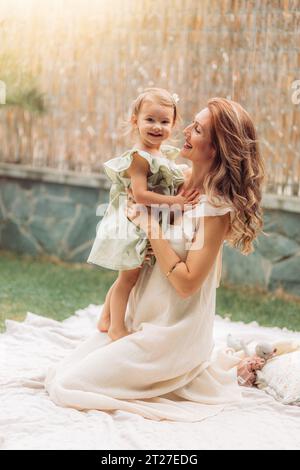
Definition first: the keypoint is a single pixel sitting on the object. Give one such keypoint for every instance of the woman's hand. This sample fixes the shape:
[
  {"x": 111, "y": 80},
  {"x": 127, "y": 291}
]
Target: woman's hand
[
  {"x": 186, "y": 198},
  {"x": 140, "y": 217},
  {"x": 130, "y": 196},
  {"x": 131, "y": 216},
  {"x": 139, "y": 214},
  {"x": 149, "y": 253}
]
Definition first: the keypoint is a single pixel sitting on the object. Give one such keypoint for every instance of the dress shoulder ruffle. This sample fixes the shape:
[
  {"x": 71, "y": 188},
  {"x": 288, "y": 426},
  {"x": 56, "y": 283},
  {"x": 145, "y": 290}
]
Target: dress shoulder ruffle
[
  {"x": 115, "y": 167},
  {"x": 206, "y": 208}
]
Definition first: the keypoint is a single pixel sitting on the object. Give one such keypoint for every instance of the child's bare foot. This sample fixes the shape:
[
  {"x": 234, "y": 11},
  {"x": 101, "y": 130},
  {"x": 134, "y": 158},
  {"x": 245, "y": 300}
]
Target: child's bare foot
[
  {"x": 117, "y": 333},
  {"x": 103, "y": 323}
]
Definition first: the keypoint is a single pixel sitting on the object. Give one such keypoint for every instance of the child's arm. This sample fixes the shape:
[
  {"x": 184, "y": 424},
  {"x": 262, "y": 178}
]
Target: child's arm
[{"x": 138, "y": 173}]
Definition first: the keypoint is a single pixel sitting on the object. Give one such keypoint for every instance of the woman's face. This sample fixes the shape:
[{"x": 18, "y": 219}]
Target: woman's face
[{"x": 198, "y": 146}]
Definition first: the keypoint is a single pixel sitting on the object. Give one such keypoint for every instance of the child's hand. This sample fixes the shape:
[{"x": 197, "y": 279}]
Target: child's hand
[{"x": 189, "y": 198}]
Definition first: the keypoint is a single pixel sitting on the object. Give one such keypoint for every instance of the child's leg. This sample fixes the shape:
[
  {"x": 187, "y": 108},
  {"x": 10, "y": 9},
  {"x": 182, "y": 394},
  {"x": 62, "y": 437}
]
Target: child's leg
[
  {"x": 118, "y": 301},
  {"x": 104, "y": 320}
]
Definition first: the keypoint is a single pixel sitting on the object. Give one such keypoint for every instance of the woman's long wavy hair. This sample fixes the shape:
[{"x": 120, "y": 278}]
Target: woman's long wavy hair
[{"x": 238, "y": 171}]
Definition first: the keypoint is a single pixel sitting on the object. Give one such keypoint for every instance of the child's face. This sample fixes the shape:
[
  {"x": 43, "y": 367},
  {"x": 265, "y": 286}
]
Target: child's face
[{"x": 154, "y": 122}]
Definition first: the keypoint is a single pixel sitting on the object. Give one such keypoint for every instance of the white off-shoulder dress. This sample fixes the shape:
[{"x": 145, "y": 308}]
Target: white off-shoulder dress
[{"x": 167, "y": 368}]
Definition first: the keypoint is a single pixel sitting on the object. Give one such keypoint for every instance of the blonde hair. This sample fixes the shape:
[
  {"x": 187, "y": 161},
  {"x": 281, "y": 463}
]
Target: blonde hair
[
  {"x": 238, "y": 171},
  {"x": 157, "y": 95}
]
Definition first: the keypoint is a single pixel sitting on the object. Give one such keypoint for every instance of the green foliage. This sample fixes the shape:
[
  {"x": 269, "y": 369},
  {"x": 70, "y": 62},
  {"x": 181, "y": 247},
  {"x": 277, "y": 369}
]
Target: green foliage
[
  {"x": 31, "y": 100},
  {"x": 21, "y": 87}
]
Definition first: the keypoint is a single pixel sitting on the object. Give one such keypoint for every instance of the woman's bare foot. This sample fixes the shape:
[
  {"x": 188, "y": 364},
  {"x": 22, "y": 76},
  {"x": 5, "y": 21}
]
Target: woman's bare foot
[
  {"x": 103, "y": 323},
  {"x": 117, "y": 333}
]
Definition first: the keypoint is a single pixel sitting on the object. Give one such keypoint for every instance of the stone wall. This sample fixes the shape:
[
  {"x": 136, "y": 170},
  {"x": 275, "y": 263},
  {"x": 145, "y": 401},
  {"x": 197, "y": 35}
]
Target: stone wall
[
  {"x": 276, "y": 260},
  {"x": 54, "y": 212},
  {"x": 49, "y": 211}
]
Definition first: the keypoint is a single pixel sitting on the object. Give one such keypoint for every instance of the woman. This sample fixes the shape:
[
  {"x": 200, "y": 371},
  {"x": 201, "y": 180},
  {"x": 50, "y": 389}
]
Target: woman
[{"x": 166, "y": 368}]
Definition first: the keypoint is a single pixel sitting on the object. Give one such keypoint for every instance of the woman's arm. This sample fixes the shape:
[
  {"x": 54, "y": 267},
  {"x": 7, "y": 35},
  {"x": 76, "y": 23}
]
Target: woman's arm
[{"x": 189, "y": 275}]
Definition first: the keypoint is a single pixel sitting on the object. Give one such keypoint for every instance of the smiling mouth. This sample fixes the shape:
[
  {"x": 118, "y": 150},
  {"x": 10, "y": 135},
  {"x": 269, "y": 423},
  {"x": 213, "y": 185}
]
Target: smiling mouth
[
  {"x": 187, "y": 145},
  {"x": 155, "y": 135}
]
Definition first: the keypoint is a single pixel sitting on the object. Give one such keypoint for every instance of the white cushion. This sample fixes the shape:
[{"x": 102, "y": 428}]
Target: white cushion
[{"x": 280, "y": 377}]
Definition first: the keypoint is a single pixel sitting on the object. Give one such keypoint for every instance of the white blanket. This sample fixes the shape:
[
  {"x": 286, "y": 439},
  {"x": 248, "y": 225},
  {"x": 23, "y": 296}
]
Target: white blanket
[{"x": 30, "y": 420}]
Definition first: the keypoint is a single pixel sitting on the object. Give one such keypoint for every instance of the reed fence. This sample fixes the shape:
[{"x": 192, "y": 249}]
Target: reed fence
[{"x": 85, "y": 61}]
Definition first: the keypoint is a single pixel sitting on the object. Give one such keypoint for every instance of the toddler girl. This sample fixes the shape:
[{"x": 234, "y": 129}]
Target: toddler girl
[{"x": 149, "y": 171}]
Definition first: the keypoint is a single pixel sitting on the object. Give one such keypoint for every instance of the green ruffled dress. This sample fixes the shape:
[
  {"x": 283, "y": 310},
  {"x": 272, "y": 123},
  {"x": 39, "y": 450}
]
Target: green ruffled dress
[{"x": 119, "y": 243}]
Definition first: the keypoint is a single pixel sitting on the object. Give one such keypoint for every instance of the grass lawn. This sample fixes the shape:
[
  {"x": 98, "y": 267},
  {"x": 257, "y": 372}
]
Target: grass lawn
[
  {"x": 56, "y": 289},
  {"x": 51, "y": 289}
]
